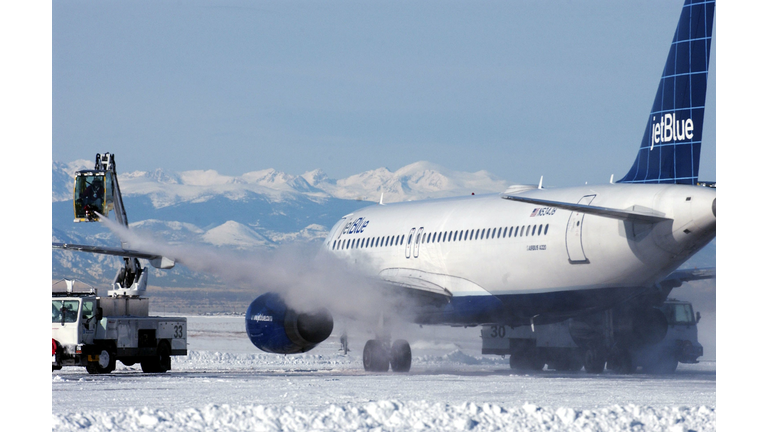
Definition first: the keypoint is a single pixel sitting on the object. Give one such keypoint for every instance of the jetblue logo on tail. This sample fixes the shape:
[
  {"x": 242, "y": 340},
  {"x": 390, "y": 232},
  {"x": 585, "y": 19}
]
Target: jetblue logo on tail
[
  {"x": 671, "y": 145},
  {"x": 669, "y": 129}
]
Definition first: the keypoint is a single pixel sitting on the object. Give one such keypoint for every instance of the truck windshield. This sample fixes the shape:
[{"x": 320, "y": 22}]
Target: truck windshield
[
  {"x": 679, "y": 313},
  {"x": 64, "y": 310}
]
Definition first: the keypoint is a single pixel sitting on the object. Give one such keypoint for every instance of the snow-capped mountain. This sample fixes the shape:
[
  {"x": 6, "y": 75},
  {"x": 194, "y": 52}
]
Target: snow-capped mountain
[
  {"x": 254, "y": 210},
  {"x": 419, "y": 180}
]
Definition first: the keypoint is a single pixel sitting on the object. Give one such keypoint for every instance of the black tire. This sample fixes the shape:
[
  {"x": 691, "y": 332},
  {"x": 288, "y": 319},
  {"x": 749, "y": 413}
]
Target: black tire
[
  {"x": 105, "y": 364},
  {"x": 526, "y": 360},
  {"x": 400, "y": 356},
  {"x": 160, "y": 362},
  {"x": 621, "y": 362},
  {"x": 594, "y": 361},
  {"x": 575, "y": 362},
  {"x": 375, "y": 356}
]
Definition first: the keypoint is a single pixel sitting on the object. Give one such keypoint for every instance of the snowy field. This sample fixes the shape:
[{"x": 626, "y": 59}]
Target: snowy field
[{"x": 227, "y": 384}]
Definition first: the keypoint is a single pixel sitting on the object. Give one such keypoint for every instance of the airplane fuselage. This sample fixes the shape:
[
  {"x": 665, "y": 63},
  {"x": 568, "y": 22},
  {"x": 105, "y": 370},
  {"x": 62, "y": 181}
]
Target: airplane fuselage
[{"x": 499, "y": 260}]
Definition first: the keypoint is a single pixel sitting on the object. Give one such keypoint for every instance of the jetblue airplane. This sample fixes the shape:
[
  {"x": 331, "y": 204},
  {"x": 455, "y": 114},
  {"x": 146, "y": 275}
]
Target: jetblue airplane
[{"x": 531, "y": 255}]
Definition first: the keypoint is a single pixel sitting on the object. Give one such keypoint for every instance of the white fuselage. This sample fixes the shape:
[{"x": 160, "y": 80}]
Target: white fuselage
[{"x": 486, "y": 245}]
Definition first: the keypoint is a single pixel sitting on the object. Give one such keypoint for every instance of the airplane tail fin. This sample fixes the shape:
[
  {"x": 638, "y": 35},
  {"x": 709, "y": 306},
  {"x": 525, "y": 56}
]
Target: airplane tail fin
[{"x": 671, "y": 146}]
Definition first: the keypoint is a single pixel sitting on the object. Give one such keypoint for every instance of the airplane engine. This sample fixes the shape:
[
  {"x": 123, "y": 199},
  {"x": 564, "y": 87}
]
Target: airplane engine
[{"x": 275, "y": 328}]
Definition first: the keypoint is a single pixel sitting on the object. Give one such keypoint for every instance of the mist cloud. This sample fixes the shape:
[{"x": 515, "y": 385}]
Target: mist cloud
[{"x": 306, "y": 276}]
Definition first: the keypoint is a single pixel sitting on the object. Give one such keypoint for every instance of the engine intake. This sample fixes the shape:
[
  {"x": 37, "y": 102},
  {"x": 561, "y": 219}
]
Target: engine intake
[{"x": 274, "y": 327}]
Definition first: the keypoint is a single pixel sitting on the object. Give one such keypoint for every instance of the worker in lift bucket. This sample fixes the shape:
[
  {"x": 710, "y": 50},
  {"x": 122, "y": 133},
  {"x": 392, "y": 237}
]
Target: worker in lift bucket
[{"x": 92, "y": 198}]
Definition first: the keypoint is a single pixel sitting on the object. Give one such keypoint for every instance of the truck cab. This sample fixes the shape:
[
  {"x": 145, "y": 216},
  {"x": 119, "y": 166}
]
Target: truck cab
[
  {"x": 73, "y": 324},
  {"x": 682, "y": 339}
]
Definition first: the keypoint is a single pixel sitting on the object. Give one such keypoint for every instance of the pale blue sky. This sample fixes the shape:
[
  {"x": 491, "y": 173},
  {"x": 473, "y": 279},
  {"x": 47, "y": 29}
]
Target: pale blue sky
[{"x": 521, "y": 89}]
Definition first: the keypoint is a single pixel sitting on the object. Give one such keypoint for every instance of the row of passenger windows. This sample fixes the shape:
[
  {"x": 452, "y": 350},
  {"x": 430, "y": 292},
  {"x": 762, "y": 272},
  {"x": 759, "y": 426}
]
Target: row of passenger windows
[
  {"x": 444, "y": 236},
  {"x": 368, "y": 242}
]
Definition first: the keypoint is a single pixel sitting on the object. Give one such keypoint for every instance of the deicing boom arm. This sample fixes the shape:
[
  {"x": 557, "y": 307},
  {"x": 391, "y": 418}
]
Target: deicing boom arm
[{"x": 157, "y": 261}]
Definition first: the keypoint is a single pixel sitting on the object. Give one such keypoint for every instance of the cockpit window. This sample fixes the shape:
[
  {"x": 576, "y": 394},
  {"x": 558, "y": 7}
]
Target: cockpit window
[{"x": 65, "y": 311}]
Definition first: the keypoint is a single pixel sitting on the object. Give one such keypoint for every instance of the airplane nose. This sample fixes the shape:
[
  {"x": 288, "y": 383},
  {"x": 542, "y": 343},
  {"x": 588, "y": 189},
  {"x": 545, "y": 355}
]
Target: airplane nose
[{"x": 714, "y": 207}]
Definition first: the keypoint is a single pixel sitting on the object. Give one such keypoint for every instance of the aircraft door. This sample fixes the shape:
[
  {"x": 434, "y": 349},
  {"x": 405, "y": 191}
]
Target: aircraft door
[
  {"x": 408, "y": 242},
  {"x": 573, "y": 241},
  {"x": 416, "y": 242}
]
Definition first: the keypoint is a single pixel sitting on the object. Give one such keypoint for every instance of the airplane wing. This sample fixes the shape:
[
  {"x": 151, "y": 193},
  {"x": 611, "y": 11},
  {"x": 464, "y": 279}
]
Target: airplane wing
[
  {"x": 677, "y": 277},
  {"x": 157, "y": 261},
  {"x": 627, "y": 215}
]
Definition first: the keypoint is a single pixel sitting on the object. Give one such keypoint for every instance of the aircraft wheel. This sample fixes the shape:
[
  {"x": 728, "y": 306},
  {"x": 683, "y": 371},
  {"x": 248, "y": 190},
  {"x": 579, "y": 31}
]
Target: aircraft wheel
[
  {"x": 375, "y": 356},
  {"x": 400, "y": 356}
]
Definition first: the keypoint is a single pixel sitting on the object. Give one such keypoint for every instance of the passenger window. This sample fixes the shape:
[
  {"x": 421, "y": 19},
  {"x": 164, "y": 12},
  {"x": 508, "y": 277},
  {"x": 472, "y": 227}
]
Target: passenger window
[
  {"x": 540, "y": 227},
  {"x": 546, "y": 228},
  {"x": 505, "y": 233}
]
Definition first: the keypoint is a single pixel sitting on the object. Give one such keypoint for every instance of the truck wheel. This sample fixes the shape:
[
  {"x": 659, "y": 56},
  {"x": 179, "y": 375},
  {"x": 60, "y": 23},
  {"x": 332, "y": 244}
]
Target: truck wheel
[
  {"x": 160, "y": 362},
  {"x": 105, "y": 365},
  {"x": 594, "y": 361},
  {"x": 526, "y": 360},
  {"x": 164, "y": 355},
  {"x": 621, "y": 362}
]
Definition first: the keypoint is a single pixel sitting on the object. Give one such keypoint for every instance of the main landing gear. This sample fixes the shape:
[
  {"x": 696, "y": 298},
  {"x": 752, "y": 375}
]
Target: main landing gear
[{"x": 378, "y": 355}]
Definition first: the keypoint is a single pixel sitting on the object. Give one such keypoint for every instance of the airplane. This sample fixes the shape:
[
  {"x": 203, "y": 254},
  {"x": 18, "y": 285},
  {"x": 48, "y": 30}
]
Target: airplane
[{"x": 531, "y": 255}]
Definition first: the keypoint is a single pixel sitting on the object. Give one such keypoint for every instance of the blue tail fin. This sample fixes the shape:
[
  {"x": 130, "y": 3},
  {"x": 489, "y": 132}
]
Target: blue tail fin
[{"x": 671, "y": 146}]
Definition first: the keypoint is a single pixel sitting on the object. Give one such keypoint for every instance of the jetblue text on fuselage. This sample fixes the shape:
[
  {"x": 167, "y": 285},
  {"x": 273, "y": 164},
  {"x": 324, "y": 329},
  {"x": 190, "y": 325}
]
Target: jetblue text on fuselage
[
  {"x": 670, "y": 129},
  {"x": 356, "y": 226}
]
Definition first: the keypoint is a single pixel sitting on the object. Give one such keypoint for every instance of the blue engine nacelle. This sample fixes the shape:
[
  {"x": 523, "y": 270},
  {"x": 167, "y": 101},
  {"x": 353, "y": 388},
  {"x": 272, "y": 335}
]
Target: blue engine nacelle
[{"x": 274, "y": 327}]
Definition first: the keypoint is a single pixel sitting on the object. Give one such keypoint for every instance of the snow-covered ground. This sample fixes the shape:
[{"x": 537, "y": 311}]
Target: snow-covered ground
[{"x": 225, "y": 383}]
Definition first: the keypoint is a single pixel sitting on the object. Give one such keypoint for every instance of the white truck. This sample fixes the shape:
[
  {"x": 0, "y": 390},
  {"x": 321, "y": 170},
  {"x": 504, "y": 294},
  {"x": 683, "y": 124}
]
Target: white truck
[
  {"x": 95, "y": 332},
  {"x": 611, "y": 338}
]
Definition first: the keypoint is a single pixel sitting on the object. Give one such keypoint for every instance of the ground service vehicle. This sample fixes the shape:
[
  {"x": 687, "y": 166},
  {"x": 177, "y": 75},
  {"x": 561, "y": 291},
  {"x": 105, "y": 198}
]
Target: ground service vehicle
[
  {"x": 611, "y": 335},
  {"x": 93, "y": 331}
]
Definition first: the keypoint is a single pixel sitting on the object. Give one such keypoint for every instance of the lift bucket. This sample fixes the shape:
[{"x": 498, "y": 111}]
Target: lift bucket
[{"x": 93, "y": 195}]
